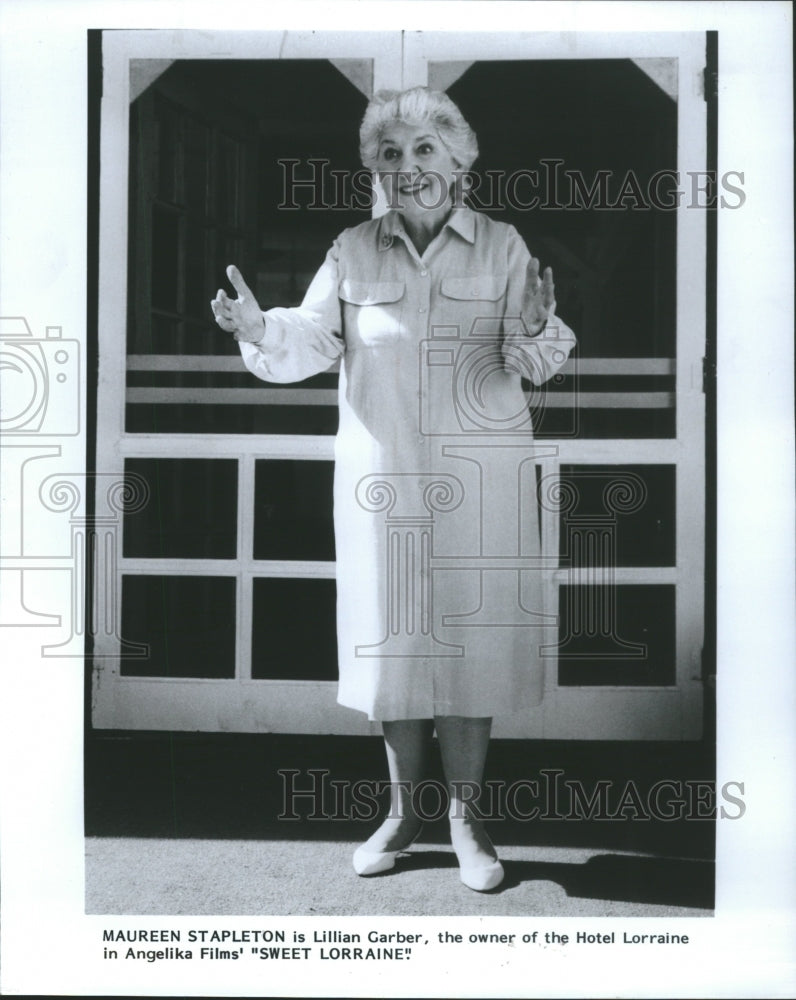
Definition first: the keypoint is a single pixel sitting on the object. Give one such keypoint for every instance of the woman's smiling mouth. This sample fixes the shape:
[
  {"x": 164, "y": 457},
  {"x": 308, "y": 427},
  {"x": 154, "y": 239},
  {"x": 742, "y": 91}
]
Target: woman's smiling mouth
[{"x": 415, "y": 187}]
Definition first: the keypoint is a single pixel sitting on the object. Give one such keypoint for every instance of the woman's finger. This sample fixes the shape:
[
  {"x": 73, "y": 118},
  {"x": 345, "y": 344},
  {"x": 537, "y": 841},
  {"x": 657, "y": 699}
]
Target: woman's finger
[
  {"x": 237, "y": 282},
  {"x": 548, "y": 288},
  {"x": 225, "y": 315}
]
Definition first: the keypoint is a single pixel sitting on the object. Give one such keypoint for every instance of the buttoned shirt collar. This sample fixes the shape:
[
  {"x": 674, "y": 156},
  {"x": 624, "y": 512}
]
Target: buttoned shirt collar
[{"x": 461, "y": 221}]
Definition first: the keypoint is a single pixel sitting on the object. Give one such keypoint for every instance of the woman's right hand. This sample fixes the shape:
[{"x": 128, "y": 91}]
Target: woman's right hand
[{"x": 241, "y": 317}]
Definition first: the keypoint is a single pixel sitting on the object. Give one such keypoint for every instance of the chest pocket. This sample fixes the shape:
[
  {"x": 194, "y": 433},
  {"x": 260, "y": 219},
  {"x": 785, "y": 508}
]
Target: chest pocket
[
  {"x": 484, "y": 287},
  {"x": 372, "y": 311},
  {"x": 474, "y": 306},
  {"x": 370, "y": 293}
]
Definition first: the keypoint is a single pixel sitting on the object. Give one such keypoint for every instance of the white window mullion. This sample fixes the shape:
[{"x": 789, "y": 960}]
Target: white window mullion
[
  {"x": 318, "y": 446},
  {"x": 244, "y": 612},
  {"x": 143, "y": 566},
  {"x": 294, "y": 569},
  {"x": 551, "y": 547}
]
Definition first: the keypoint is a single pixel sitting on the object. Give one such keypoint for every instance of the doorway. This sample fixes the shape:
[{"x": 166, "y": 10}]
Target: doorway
[{"x": 232, "y": 551}]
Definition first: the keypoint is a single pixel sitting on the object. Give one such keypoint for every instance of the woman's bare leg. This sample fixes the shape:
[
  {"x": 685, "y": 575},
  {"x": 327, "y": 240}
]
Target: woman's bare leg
[
  {"x": 463, "y": 743},
  {"x": 407, "y": 742}
]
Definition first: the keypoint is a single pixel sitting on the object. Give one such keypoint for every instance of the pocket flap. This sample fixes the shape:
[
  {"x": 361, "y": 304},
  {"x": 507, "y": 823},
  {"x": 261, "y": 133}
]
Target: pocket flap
[
  {"x": 370, "y": 293},
  {"x": 484, "y": 286}
]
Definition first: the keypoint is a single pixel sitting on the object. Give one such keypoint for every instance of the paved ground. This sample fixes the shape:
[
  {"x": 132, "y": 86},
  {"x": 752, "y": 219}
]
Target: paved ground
[
  {"x": 190, "y": 825},
  {"x": 219, "y": 877}
]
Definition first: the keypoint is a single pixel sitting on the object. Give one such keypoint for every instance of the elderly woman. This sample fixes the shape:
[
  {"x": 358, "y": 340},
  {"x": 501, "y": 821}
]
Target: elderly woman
[{"x": 436, "y": 313}]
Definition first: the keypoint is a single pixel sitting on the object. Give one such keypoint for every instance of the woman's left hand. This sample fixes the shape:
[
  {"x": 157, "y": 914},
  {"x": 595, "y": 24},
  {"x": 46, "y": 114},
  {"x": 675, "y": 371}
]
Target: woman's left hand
[{"x": 539, "y": 297}]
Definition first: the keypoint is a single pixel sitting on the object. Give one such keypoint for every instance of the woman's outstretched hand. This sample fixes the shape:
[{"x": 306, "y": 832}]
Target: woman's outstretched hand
[
  {"x": 539, "y": 297},
  {"x": 242, "y": 316}
]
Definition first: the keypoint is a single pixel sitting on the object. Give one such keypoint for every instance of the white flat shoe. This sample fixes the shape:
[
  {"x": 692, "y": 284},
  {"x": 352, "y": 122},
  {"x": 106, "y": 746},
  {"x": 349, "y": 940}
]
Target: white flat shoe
[
  {"x": 482, "y": 878},
  {"x": 372, "y": 862},
  {"x": 367, "y": 862}
]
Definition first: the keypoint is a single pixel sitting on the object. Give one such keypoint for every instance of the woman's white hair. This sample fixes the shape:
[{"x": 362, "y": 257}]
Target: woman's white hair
[{"x": 418, "y": 106}]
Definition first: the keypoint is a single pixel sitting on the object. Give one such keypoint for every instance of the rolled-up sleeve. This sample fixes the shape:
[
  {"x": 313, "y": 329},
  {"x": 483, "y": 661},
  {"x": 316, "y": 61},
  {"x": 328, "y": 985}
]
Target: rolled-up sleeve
[
  {"x": 537, "y": 357},
  {"x": 304, "y": 340}
]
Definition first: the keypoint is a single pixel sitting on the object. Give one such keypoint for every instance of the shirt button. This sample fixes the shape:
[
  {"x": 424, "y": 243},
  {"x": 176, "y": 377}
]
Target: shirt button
[
  {"x": 424, "y": 272},
  {"x": 421, "y": 309}
]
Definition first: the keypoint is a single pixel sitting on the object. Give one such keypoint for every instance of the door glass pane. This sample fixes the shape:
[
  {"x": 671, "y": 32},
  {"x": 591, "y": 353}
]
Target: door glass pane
[
  {"x": 188, "y": 622},
  {"x": 167, "y": 161},
  {"x": 165, "y": 336},
  {"x": 621, "y": 634},
  {"x": 197, "y": 159},
  {"x": 226, "y": 159},
  {"x": 197, "y": 279},
  {"x": 165, "y": 276},
  {"x": 293, "y": 510},
  {"x": 584, "y": 188},
  {"x": 618, "y": 515},
  {"x": 229, "y": 186},
  {"x": 191, "y": 511},
  {"x": 294, "y": 633}
]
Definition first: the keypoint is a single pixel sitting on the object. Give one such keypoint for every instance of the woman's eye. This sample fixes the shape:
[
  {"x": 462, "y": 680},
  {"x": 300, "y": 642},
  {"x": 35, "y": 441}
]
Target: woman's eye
[
  {"x": 426, "y": 148},
  {"x": 390, "y": 154}
]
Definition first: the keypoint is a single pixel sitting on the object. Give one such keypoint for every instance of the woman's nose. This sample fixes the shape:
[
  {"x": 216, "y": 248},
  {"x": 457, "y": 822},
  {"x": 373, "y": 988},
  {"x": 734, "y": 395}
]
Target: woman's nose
[{"x": 406, "y": 164}]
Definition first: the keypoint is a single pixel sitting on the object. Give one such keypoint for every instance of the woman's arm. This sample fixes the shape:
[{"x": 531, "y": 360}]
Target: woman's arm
[
  {"x": 286, "y": 345},
  {"x": 535, "y": 341}
]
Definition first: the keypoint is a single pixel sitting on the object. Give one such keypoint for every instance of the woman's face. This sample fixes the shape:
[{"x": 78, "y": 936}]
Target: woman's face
[{"x": 415, "y": 169}]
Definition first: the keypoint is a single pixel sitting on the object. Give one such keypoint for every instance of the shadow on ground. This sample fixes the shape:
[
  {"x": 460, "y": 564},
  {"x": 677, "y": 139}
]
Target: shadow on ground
[
  {"x": 626, "y": 878},
  {"x": 200, "y": 787}
]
